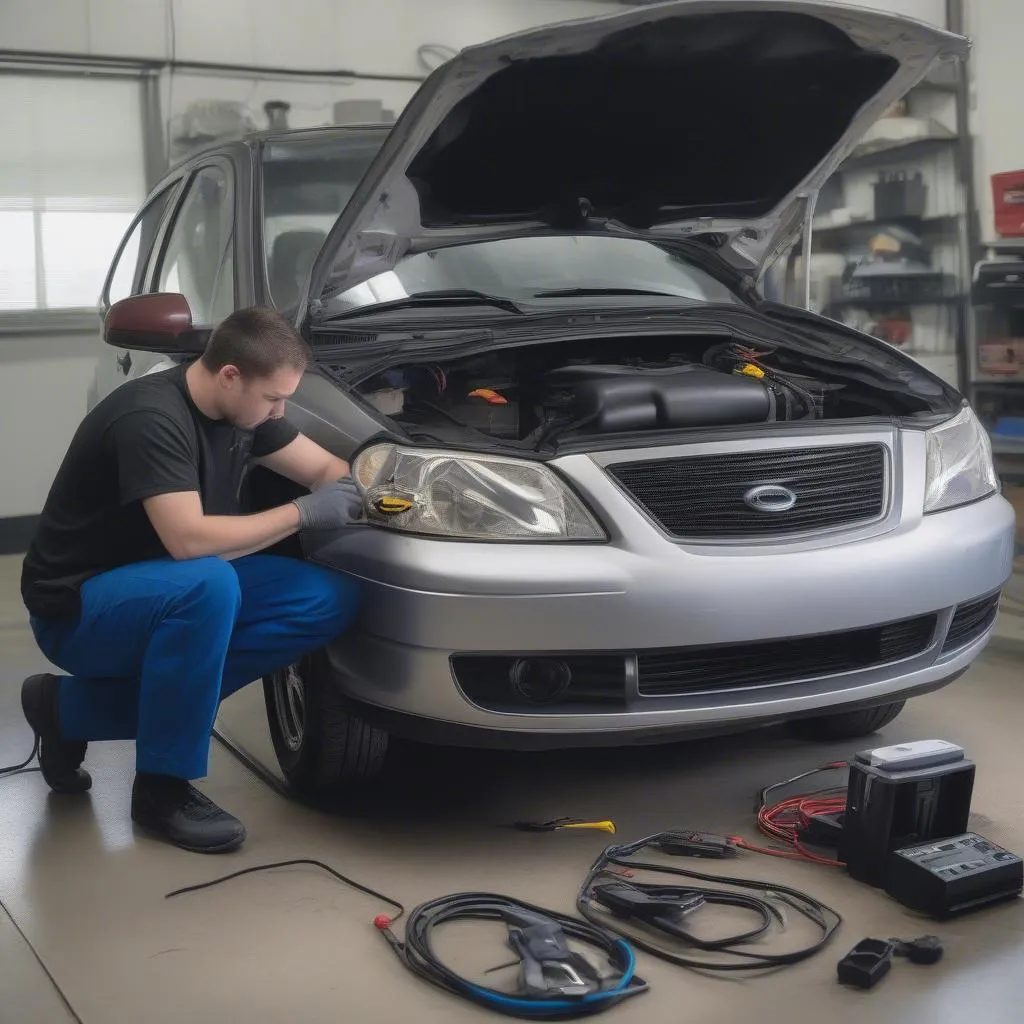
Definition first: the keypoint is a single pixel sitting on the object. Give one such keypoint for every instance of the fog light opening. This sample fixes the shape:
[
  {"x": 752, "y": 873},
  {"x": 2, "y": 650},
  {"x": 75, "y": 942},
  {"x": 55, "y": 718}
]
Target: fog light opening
[{"x": 540, "y": 680}]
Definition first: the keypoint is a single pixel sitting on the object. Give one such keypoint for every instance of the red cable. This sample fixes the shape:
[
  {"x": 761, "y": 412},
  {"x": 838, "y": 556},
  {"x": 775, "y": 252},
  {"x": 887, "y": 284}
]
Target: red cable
[{"x": 786, "y": 820}]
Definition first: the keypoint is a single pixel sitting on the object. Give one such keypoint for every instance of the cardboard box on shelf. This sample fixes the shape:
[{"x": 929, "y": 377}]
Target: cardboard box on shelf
[
  {"x": 1008, "y": 202},
  {"x": 1001, "y": 357}
]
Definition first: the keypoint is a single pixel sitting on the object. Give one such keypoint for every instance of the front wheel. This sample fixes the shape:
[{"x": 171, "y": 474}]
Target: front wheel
[
  {"x": 323, "y": 749},
  {"x": 847, "y": 725}
]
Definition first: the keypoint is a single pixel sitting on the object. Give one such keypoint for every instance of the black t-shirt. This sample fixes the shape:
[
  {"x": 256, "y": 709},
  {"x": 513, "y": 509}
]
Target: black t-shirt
[{"x": 145, "y": 438}]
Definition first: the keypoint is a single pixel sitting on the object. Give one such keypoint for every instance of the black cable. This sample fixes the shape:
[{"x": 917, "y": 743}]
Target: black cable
[
  {"x": 763, "y": 910},
  {"x": 287, "y": 864},
  {"x": 821, "y": 915},
  {"x": 762, "y": 796},
  {"x": 249, "y": 761},
  {"x": 555, "y": 428},
  {"x": 23, "y": 767},
  {"x": 417, "y": 953}
]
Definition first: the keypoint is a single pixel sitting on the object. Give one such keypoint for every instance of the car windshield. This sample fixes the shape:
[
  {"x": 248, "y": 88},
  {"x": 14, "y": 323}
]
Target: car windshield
[
  {"x": 539, "y": 272},
  {"x": 307, "y": 181}
]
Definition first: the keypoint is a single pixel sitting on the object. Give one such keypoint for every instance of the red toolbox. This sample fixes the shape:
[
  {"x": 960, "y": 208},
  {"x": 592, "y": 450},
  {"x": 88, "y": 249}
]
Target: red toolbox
[{"x": 1008, "y": 201}]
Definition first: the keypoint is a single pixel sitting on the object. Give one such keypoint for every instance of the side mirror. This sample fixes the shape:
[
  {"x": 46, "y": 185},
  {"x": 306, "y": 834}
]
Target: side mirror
[{"x": 161, "y": 322}]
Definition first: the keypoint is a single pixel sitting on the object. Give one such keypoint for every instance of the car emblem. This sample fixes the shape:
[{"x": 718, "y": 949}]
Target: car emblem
[{"x": 770, "y": 498}]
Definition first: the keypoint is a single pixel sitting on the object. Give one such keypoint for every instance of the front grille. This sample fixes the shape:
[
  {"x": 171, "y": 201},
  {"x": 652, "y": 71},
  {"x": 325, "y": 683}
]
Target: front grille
[
  {"x": 970, "y": 621},
  {"x": 702, "y": 496},
  {"x": 735, "y": 666}
]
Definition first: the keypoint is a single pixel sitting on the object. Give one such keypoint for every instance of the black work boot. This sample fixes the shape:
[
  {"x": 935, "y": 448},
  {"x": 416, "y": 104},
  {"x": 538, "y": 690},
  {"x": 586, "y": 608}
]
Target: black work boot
[
  {"x": 59, "y": 759},
  {"x": 174, "y": 810}
]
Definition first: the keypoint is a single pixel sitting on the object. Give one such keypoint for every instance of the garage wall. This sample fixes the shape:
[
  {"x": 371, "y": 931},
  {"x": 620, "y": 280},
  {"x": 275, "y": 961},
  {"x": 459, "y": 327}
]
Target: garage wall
[
  {"x": 996, "y": 28},
  {"x": 381, "y": 36},
  {"x": 45, "y": 383}
]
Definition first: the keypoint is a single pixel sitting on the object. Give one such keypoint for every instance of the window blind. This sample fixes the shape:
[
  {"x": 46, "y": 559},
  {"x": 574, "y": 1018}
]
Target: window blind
[{"x": 72, "y": 175}]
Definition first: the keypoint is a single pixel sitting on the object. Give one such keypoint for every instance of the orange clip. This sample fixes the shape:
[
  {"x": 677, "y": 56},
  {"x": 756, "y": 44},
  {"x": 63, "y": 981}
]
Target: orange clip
[{"x": 489, "y": 396}]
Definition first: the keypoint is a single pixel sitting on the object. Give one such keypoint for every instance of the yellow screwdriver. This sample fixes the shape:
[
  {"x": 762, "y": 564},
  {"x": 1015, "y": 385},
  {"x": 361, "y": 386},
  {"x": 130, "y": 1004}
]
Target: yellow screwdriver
[{"x": 559, "y": 823}]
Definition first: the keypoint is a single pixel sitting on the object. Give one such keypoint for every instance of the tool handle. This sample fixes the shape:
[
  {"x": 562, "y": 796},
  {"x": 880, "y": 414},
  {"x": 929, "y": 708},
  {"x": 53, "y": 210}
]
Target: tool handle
[{"x": 599, "y": 826}]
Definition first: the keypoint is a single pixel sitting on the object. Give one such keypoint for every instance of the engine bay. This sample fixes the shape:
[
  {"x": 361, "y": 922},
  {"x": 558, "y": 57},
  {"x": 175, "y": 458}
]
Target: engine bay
[{"x": 534, "y": 396}]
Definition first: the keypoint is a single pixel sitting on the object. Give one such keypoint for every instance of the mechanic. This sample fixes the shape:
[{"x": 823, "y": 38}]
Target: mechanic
[{"x": 142, "y": 581}]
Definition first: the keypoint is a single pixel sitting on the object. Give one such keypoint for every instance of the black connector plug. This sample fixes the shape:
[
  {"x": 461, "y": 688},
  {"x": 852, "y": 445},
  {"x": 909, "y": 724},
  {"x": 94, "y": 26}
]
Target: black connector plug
[
  {"x": 925, "y": 950},
  {"x": 695, "y": 844},
  {"x": 866, "y": 964},
  {"x": 625, "y": 900},
  {"x": 823, "y": 829}
]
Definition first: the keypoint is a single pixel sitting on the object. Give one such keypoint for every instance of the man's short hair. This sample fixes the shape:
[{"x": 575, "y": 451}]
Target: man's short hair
[{"x": 258, "y": 341}]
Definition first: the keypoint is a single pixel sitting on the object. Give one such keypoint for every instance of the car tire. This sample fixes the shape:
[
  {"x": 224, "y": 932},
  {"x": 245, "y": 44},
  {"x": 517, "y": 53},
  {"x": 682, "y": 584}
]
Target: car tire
[
  {"x": 849, "y": 725},
  {"x": 324, "y": 750}
]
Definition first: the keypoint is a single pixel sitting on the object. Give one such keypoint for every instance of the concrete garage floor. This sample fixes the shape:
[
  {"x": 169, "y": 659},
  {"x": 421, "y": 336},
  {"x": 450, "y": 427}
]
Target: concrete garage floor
[{"x": 82, "y": 896}]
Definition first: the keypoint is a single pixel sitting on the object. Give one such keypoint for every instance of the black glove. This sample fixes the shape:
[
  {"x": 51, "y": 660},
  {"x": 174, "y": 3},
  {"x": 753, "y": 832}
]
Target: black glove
[{"x": 330, "y": 507}]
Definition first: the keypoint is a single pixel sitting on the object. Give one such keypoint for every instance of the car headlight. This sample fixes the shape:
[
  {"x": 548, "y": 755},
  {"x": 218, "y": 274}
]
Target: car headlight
[
  {"x": 471, "y": 497},
  {"x": 960, "y": 468}
]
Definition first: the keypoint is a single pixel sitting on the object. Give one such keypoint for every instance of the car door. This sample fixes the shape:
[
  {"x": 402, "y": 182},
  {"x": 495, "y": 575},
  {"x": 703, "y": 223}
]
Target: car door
[
  {"x": 129, "y": 274},
  {"x": 197, "y": 256},
  {"x": 193, "y": 253}
]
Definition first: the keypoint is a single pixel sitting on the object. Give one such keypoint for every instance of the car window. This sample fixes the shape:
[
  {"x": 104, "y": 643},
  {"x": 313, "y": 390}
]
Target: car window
[
  {"x": 307, "y": 182},
  {"x": 544, "y": 270},
  {"x": 199, "y": 257},
  {"x": 126, "y": 277}
]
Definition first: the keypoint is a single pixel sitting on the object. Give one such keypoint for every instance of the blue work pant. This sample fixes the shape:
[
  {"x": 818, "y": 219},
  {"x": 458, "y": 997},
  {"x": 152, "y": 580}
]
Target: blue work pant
[{"x": 159, "y": 644}]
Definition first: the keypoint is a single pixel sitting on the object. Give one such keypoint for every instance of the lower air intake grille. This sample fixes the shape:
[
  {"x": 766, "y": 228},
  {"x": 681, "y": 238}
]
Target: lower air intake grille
[
  {"x": 707, "y": 496},
  {"x": 735, "y": 666},
  {"x": 970, "y": 621}
]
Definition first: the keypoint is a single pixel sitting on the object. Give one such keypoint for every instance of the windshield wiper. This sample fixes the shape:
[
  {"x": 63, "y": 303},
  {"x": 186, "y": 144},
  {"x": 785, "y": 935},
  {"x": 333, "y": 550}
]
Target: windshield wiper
[
  {"x": 567, "y": 293},
  {"x": 419, "y": 300}
]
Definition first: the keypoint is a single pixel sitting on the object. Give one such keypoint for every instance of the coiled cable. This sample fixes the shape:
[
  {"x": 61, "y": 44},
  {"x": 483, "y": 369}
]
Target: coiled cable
[
  {"x": 736, "y": 955},
  {"x": 417, "y": 953}
]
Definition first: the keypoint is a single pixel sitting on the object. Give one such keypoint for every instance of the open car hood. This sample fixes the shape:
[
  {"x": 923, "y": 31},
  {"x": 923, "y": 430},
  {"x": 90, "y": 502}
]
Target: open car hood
[{"x": 709, "y": 119}]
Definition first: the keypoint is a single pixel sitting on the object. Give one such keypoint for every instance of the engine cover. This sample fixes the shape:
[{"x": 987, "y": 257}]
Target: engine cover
[{"x": 623, "y": 398}]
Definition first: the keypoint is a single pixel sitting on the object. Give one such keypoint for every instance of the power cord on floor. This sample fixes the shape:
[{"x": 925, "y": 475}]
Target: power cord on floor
[
  {"x": 23, "y": 767},
  {"x": 607, "y": 900},
  {"x": 288, "y": 864},
  {"x": 581, "y": 988}
]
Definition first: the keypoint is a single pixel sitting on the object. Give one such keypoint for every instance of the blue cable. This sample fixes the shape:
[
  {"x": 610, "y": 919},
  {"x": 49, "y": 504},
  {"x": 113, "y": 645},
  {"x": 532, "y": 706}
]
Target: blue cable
[
  {"x": 547, "y": 1005},
  {"x": 416, "y": 953}
]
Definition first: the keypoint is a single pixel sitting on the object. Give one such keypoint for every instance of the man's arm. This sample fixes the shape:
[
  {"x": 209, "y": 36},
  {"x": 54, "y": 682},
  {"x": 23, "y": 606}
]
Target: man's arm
[
  {"x": 186, "y": 532},
  {"x": 305, "y": 462},
  {"x": 157, "y": 466}
]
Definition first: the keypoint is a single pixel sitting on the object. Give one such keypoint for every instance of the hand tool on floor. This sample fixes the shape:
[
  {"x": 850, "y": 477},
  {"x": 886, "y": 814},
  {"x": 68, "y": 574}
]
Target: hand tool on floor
[{"x": 557, "y": 824}]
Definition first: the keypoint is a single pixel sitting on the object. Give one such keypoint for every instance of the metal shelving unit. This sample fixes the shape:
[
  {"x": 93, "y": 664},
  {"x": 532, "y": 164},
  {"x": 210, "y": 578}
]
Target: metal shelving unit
[
  {"x": 838, "y": 235},
  {"x": 906, "y": 150},
  {"x": 928, "y": 319},
  {"x": 998, "y": 398}
]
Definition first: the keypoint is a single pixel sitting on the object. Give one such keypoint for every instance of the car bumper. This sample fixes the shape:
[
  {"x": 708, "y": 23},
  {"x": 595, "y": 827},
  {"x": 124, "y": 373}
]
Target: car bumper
[{"x": 426, "y": 601}]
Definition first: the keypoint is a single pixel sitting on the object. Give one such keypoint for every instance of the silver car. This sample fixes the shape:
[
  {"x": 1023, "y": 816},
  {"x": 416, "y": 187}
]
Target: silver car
[{"x": 614, "y": 494}]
